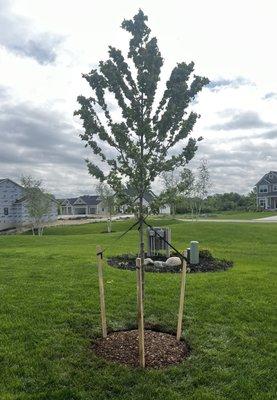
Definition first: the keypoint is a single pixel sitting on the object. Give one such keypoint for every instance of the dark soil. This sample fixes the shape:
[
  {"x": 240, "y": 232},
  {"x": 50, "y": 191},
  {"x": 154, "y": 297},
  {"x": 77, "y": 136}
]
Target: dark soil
[
  {"x": 161, "y": 349},
  {"x": 207, "y": 263}
]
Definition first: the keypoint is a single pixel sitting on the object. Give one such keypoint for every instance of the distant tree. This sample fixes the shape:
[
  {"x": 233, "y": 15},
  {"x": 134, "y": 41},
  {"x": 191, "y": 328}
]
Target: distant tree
[
  {"x": 170, "y": 194},
  {"x": 143, "y": 137},
  {"x": 177, "y": 185},
  {"x": 108, "y": 201},
  {"x": 231, "y": 202},
  {"x": 38, "y": 203},
  {"x": 251, "y": 200},
  {"x": 201, "y": 187}
]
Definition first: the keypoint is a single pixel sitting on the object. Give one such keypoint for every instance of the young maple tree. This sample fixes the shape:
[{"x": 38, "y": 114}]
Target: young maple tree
[
  {"x": 108, "y": 201},
  {"x": 144, "y": 140}
]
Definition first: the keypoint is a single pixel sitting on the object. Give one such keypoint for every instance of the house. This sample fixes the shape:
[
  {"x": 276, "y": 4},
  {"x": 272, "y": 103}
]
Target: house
[
  {"x": 148, "y": 198},
  {"x": 13, "y": 206},
  {"x": 92, "y": 205},
  {"x": 82, "y": 205},
  {"x": 267, "y": 191}
]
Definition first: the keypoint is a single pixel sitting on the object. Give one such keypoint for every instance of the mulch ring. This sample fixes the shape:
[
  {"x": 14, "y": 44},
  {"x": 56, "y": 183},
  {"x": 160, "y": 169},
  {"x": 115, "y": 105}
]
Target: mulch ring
[
  {"x": 161, "y": 349},
  {"x": 207, "y": 263}
]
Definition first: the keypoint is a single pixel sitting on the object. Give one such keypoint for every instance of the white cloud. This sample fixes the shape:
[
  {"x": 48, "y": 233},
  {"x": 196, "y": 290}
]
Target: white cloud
[{"x": 221, "y": 37}]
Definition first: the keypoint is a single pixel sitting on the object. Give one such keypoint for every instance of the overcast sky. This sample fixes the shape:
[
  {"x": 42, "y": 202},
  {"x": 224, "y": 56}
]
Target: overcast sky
[{"x": 46, "y": 45}]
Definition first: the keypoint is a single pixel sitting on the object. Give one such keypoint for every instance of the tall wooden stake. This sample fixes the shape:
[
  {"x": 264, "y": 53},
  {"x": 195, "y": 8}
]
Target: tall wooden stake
[
  {"x": 140, "y": 313},
  {"x": 101, "y": 291},
  {"x": 182, "y": 299}
]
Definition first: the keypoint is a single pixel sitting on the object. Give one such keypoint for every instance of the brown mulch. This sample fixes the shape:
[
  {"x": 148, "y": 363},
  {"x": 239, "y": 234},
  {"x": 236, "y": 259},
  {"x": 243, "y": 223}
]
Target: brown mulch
[{"x": 161, "y": 349}]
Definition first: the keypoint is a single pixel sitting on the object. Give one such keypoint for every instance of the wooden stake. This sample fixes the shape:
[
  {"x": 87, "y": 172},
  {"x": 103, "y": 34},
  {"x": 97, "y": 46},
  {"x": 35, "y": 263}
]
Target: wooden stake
[
  {"x": 101, "y": 291},
  {"x": 182, "y": 300},
  {"x": 140, "y": 313}
]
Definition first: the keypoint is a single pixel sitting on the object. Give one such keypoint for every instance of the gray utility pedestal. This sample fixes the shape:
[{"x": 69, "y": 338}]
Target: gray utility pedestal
[
  {"x": 194, "y": 252},
  {"x": 188, "y": 254},
  {"x": 156, "y": 241}
]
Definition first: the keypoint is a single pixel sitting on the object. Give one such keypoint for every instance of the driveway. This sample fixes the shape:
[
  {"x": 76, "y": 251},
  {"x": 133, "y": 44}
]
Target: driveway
[{"x": 267, "y": 219}]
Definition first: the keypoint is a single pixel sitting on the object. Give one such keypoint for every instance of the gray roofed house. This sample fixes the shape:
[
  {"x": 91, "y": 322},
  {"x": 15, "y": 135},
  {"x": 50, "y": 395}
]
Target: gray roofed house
[
  {"x": 91, "y": 205},
  {"x": 82, "y": 205},
  {"x": 267, "y": 191},
  {"x": 148, "y": 198}
]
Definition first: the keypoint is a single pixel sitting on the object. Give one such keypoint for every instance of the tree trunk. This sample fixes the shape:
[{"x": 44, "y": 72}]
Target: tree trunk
[
  {"x": 141, "y": 233},
  {"x": 109, "y": 223},
  {"x": 173, "y": 210},
  {"x": 192, "y": 209},
  {"x": 142, "y": 189},
  {"x": 200, "y": 209}
]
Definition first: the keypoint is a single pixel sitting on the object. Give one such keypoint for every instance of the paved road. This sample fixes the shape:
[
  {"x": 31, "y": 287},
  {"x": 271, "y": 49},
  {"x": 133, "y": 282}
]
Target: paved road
[
  {"x": 243, "y": 221},
  {"x": 80, "y": 221}
]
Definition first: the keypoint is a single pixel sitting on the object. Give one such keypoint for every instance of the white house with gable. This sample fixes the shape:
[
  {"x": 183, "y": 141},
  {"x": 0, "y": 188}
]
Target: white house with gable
[{"x": 13, "y": 206}]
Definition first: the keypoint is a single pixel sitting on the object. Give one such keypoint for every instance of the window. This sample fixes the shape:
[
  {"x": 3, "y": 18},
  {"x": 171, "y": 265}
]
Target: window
[
  {"x": 6, "y": 211},
  {"x": 263, "y": 189},
  {"x": 274, "y": 188},
  {"x": 262, "y": 203}
]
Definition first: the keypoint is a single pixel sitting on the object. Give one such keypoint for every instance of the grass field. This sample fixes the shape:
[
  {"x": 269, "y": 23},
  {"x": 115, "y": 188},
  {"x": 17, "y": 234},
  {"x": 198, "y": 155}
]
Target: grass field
[
  {"x": 246, "y": 215},
  {"x": 49, "y": 315}
]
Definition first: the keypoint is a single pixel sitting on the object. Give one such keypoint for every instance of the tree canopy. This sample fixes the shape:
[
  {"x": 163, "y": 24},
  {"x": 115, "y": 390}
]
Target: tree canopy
[
  {"x": 145, "y": 135},
  {"x": 38, "y": 202}
]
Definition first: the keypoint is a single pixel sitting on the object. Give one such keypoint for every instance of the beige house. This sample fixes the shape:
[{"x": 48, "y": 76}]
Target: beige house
[{"x": 82, "y": 205}]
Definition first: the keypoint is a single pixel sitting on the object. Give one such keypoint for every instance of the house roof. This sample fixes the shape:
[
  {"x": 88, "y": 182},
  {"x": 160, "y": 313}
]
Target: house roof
[
  {"x": 270, "y": 177},
  {"x": 87, "y": 200},
  {"x": 91, "y": 200},
  {"x": 22, "y": 199},
  {"x": 148, "y": 196},
  {"x": 8, "y": 179}
]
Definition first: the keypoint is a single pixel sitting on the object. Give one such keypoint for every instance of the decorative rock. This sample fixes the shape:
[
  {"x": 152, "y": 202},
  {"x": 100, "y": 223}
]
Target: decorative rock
[
  {"x": 159, "y": 264},
  {"x": 148, "y": 261},
  {"x": 173, "y": 261}
]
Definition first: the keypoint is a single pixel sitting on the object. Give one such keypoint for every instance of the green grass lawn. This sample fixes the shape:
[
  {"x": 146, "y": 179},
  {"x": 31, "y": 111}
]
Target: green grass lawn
[
  {"x": 234, "y": 215},
  {"x": 49, "y": 315}
]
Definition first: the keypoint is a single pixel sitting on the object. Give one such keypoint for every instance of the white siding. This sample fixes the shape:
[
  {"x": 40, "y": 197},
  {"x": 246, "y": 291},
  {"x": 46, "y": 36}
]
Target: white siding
[
  {"x": 9, "y": 193},
  {"x": 17, "y": 212}
]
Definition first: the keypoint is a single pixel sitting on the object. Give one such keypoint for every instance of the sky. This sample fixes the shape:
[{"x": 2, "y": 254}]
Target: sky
[{"x": 46, "y": 45}]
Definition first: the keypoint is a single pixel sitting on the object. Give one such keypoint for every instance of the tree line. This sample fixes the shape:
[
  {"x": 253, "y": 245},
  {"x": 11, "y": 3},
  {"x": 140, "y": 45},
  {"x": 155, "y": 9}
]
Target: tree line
[
  {"x": 231, "y": 201},
  {"x": 185, "y": 192}
]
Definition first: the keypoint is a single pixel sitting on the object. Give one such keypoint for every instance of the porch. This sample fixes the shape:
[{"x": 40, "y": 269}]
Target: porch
[{"x": 272, "y": 203}]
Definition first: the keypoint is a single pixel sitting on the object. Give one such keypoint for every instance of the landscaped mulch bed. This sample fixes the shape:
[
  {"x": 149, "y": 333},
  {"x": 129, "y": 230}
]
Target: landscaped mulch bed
[
  {"x": 207, "y": 263},
  {"x": 161, "y": 349}
]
